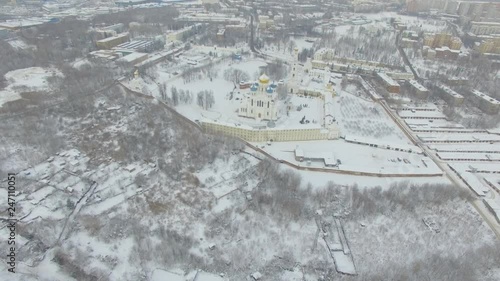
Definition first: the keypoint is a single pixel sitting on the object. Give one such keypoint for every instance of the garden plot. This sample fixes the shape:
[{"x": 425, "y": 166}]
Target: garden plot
[
  {"x": 358, "y": 117},
  {"x": 221, "y": 178}
]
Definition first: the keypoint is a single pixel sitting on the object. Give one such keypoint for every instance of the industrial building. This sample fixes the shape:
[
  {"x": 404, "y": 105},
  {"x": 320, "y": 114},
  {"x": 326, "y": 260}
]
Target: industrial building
[
  {"x": 134, "y": 58},
  {"x": 328, "y": 159},
  {"x": 110, "y": 42},
  {"x": 137, "y": 46}
]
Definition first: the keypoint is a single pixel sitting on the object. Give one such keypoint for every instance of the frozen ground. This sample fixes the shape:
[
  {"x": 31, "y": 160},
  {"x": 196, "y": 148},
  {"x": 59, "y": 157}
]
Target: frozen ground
[
  {"x": 33, "y": 79},
  {"x": 135, "y": 207},
  {"x": 226, "y": 104},
  {"x": 354, "y": 157},
  {"x": 359, "y": 117}
]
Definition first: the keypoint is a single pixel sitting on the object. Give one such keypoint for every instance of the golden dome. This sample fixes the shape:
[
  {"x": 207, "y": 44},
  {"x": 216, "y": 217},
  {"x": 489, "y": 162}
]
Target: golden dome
[{"x": 264, "y": 79}]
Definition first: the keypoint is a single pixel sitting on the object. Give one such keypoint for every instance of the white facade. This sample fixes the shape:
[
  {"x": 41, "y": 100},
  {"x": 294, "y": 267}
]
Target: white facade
[
  {"x": 261, "y": 102},
  {"x": 297, "y": 72},
  {"x": 485, "y": 28}
]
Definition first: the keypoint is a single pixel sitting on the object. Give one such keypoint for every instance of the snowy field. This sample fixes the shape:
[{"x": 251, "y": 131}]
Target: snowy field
[
  {"x": 359, "y": 117},
  {"x": 131, "y": 218},
  {"x": 354, "y": 157},
  {"x": 225, "y": 105},
  {"x": 33, "y": 79}
]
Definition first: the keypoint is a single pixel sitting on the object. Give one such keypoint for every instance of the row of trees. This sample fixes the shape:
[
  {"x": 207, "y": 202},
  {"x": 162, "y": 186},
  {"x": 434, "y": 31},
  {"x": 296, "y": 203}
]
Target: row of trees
[
  {"x": 235, "y": 75},
  {"x": 281, "y": 190},
  {"x": 367, "y": 46},
  {"x": 180, "y": 96},
  {"x": 205, "y": 99}
]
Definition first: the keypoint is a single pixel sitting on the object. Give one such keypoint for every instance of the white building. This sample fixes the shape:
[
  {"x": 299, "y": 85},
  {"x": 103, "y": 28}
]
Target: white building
[
  {"x": 297, "y": 72},
  {"x": 261, "y": 102},
  {"x": 485, "y": 28}
]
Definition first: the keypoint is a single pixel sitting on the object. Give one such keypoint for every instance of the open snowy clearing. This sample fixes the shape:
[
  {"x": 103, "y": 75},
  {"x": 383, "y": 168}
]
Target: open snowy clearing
[
  {"x": 354, "y": 157},
  {"x": 31, "y": 79},
  {"x": 359, "y": 117}
]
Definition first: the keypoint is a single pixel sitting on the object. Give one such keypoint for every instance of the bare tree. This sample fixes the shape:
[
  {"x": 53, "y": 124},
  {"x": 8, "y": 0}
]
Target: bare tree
[{"x": 235, "y": 75}]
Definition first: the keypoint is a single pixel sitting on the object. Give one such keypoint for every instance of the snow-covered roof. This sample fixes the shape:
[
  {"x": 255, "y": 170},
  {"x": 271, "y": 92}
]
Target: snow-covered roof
[
  {"x": 485, "y": 97},
  {"x": 474, "y": 183},
  {"x": 418, "y": 86},
  {"x": 447, "y": 49},
  {"x": 256, "y": 275},
  {"x": 421, "y": 114},
  {"x": 133, "y": 56},
  {"x": 299, "y": 152},
  {"x": 476, "y": 137},
  {"x": 114, "y": 37},
  {"x": 379, "y": 143},
  {"x": 449, "y": 91},
  {"x": 387, "y": 79}
]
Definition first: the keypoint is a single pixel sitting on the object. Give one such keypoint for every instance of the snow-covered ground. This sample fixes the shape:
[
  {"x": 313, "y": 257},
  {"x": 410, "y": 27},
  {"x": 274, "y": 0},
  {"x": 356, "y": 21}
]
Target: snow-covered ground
[
  {"x": 26, "y": 80},
  {"x": 360, "y": 117},
  {"x": 226, "y": 104},
  {"x": 354, "y": 157}
]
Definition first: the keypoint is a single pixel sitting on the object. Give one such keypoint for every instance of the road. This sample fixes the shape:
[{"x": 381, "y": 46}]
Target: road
[{"x": 477, "y": 204}]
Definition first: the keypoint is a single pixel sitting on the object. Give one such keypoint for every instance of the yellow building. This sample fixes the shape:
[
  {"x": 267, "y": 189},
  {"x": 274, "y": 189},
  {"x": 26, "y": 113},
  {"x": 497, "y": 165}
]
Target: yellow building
[
  {"x": 442, "y": 40},
  {"x": 263, "y": 135},
  {"x": 490, "y": 46}
]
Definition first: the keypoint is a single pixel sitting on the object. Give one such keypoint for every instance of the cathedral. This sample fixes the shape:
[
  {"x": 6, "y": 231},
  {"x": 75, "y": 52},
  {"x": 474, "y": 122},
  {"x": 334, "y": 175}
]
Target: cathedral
[{"x": 261, "y": 101}]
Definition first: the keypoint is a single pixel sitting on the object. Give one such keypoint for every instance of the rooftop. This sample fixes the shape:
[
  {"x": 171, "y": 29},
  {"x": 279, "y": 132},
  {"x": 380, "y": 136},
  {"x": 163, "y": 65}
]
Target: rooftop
[
  {"x": 450, "y": 92},
  {"x": 418, "y": 86},
  {"x": 485, "y": 97},
  {"x": 114, "y": 37},
  {"x": 387, "y": 79}
]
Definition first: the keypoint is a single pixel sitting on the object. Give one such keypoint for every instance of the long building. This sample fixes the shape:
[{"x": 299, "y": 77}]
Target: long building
[
  {"x": 451, "y": 97},
  {"x": 442, "y": 40},
  {"x": 269, "y": 134},
  {"x": 110, "y": 42},
  {"x": 490, "y": 46},
  {"x": 485, "y": 28},
  {"x": 389, "y": 83},
  {"x": 485, "y": 102},
  {"x": 418, "y": 89}
]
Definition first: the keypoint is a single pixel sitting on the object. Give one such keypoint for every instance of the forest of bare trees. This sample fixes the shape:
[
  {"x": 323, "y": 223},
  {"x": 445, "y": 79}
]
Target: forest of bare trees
[{"x": 368, "y": 46}]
